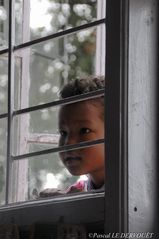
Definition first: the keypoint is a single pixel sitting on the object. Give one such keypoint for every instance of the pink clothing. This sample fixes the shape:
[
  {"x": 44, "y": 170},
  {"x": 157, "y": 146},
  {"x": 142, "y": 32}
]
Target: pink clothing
[
  {"x": 82, "y": 186},
  {"x": 79, "y": 186}
]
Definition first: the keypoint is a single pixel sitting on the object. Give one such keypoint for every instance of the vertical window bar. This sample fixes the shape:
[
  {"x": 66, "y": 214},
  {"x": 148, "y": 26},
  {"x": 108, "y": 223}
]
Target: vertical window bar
[
  {"x": 116, "y": 191},
  {"x": 124, "y": 46},
  {"x": 10, "y": 100},
  {"x": 112, "y": 104},
  {"x": 101, "y": 38},
  {"x": 21, "y": 167}
]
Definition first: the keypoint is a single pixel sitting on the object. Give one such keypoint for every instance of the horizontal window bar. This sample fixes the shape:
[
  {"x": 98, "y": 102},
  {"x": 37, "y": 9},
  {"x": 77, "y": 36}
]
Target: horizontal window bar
[
  {"x": 73, "y": 99},
  {"x": 3, "y": 51},
  {"x": 60, "y": 149},
  {"x": 2, "y": 116},
  {"x": 56, "y": 35},
  {"x": 60, "y": 34}
]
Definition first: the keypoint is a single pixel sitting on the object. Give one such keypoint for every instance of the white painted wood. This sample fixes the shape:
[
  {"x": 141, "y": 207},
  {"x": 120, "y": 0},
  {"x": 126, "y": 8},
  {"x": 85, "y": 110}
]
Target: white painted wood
[
  {"x": 44, "y": 139},
  {"x": 100, "y": 40},
  {"x": 21, "y": 167},
  {"x": 142, "y": 115}
]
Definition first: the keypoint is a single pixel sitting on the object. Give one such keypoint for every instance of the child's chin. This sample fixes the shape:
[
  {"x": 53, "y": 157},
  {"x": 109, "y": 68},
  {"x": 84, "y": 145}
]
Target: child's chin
[{"x": 74, "y": 173}]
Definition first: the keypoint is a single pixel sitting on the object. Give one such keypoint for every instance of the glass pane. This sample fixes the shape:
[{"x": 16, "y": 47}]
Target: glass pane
[
  {"x": 3, "y": 150},
  {"x": 35, "y": 174},
  {"x": 3, "y": 83},
  {"x": 47, "y": 66},
  {"x": 4, "y": 6},
  {"x": 35, "y": 131},
  {"x": 39, "y": 128},
  {"x": 47, "y": 171},
  {"x": 42, "y": 18},
  {"x": 42, "y": 172}
]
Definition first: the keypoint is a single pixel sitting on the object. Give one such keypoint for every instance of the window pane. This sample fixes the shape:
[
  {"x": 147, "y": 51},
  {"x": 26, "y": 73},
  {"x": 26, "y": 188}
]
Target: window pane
[
  {"x": 3, "y": 83},
  {"x": 47, "y": 171},
  {"x": 44, "y": 171},
  {"x": 37, "y": 131},
  {"x": 39, "y": 127},
  {"x": 50, "y": 64},
  {"x": 42, "y": 18},
  {"x": 3, "y": 150},
  {"x": 4, "y": 23}
]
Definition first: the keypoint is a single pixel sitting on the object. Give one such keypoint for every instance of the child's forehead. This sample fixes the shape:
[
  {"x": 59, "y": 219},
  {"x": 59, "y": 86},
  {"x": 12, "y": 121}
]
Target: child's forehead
[
  {"x": 81, "y": 111},
  {"x": 84, "y": 106}
]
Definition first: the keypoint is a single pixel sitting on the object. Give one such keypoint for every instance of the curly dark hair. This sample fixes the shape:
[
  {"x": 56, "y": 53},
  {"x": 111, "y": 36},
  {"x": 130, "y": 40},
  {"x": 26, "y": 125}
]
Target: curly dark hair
[{"x": 82, "y": 85}]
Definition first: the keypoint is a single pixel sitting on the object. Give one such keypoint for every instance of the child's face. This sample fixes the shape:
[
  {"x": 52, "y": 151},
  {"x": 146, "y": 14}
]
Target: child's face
[{"x": 81, "y": 122}]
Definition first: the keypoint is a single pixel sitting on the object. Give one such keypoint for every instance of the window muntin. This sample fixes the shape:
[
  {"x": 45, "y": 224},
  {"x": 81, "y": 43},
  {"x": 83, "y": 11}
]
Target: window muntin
[
  {"x": 3, "y": 149},
  {"x": 3, "y": 83}
]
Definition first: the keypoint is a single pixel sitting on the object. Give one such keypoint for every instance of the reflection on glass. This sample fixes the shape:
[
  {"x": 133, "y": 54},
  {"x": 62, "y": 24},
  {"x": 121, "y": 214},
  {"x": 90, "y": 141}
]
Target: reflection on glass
[
  {"x": 39, "y": 128},
  {"x": 4, "y": 24},
  {"x": 47, "y": 171},
  {"x": 50, "y": 64},
  {"x": 3, "y": 83},
  {"x": 42, "y": 18},
  {"x": 3, "y": 129}
]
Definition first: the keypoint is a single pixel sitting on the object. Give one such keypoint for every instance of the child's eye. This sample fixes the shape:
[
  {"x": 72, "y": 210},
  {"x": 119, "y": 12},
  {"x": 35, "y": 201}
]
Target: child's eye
[{"x": 85, "y": 130}]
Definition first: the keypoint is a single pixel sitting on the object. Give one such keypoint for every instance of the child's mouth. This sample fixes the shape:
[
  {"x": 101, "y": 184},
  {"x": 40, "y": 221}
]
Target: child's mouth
[{"x": 72, "y": 161}]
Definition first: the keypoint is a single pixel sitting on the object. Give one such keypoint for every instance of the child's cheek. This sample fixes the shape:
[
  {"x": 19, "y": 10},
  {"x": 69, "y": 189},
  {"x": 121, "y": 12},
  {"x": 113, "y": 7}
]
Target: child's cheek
[{"x": 87, "y": 137}]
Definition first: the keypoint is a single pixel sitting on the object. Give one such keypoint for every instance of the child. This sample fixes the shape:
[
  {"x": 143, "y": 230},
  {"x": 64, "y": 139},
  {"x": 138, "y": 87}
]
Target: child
[{"x": 79, "y": 122}]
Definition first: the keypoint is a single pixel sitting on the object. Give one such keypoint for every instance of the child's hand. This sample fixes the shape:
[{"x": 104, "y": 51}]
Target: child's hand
[{"x": 49, "y": 192}]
